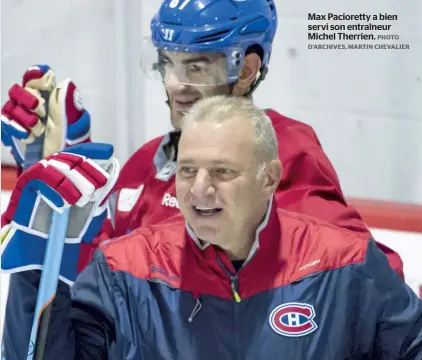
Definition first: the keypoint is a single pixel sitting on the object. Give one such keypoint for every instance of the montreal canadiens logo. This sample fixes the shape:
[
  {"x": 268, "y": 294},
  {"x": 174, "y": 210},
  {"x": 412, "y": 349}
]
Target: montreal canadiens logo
[{"x": 293, "y": 319}]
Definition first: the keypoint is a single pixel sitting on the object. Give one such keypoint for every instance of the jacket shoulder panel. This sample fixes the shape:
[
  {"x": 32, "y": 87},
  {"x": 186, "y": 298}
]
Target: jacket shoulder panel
[
  {"x": 149, "y": 252},
  {"x": 320, "y": 246}
]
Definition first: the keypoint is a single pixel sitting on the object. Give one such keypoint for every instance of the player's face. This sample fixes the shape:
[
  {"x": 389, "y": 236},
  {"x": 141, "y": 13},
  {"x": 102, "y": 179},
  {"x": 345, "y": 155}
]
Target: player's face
[
  {"x": 189, "y": 77},
  {"x": 216, "y": 181}
]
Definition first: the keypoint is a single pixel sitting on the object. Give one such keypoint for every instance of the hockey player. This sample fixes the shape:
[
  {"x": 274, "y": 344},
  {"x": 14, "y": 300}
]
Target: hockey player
[{"x": 236, "y": 276}]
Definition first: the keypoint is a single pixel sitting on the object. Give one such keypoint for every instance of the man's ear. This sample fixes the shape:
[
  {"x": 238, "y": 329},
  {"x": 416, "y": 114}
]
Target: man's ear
[
  {"x": 247, "y": 75},
  {"x": 273, "y": 174}
]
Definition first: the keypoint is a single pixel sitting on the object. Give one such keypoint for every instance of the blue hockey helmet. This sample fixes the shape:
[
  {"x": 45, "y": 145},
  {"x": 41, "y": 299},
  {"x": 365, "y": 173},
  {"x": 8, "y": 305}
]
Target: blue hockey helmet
[{"x": 228, "y": 27}]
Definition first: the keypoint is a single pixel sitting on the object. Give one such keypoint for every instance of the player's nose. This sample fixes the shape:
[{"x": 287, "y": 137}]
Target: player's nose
[{"x": 174, "y": 81}]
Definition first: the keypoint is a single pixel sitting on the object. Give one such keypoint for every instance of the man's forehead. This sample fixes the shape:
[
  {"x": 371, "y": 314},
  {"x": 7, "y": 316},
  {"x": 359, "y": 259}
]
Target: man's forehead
[
  {"x": 185, "y": 55},
  {"x": 214, "y": 157},
  {"x": 215, "y": 143},
  {"x": 232, "y": 131}
]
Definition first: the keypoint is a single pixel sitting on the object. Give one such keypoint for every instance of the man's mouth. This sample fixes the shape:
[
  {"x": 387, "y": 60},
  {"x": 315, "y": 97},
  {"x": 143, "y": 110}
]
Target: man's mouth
[
  {"x": 206, "y": 211},
  {"x": 184, "y": 104}
]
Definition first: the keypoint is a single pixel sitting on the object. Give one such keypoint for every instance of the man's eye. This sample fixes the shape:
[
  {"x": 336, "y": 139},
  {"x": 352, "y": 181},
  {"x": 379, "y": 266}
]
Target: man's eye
[
  {"x": 223, "y": 171},
  {"x": 186, "y": 170}
]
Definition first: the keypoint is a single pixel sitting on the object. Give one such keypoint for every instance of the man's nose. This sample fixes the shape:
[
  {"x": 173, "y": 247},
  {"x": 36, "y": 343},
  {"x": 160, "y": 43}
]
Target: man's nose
[
  {"x": 174, "y": 80},
  {"x": 203, "y": 185}
]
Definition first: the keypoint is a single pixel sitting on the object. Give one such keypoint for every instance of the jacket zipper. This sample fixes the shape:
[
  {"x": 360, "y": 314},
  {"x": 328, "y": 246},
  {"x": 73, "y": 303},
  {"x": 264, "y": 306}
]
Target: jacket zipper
[
  {"x": 234, "y": 284},
  {"x": 237, "y": 300},
  {"x": 235, "y": 288}
]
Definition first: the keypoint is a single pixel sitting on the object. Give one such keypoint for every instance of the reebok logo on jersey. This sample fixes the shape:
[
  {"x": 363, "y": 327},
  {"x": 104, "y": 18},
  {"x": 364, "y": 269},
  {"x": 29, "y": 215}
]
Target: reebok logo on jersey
[{"x": 169, "y": 201}]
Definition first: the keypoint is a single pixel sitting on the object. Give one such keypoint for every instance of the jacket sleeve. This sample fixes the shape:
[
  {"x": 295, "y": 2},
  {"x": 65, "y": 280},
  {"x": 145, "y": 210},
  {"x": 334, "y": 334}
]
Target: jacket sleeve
[
  {"x": 82, "y": 319},
  {"x": 390, "y": 308},
  {"x": 94, "y": 311},
  {"x": 19, "y": 313},
  {"x": 311, "y": 186}
]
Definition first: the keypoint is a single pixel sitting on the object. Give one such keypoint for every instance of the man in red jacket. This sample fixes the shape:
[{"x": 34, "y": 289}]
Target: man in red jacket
[{"x": 234, "y": 277}]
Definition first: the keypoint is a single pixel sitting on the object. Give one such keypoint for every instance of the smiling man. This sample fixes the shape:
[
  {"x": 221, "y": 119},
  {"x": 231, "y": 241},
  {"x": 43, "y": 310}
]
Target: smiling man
[
  {"x": 220, "y": 176},
  {"x": 235, "y": 277},
  {"x": 189, "y": 77}
]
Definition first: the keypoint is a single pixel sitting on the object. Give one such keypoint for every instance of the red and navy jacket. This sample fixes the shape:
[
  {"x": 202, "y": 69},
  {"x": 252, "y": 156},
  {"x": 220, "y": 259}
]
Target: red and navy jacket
[
  {"x": 145, "y": 192},
  {"x": 308, "y": 290}
]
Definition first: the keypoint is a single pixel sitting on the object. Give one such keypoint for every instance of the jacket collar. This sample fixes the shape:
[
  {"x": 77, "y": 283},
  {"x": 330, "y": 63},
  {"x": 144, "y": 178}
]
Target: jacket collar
[
  {"x": 166, "y": 155},
  {"x": 167, "y": 149}
]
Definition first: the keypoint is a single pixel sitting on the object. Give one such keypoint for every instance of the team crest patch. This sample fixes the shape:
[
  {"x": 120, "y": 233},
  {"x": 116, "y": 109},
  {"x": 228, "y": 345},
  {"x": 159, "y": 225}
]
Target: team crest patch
[{"x": 293, "y": 319}]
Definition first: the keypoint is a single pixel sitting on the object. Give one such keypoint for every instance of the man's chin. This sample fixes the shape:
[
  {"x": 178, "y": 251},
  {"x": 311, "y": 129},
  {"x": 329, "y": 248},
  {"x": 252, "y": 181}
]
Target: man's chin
[
  {"x": 178, "y": 114},
  {"x": 206, "y": 234}
]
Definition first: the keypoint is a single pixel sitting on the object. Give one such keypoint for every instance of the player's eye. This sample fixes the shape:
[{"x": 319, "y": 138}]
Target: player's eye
[
  {"x": 196, "y": 68},
  {"x": 162, "y": 61}
]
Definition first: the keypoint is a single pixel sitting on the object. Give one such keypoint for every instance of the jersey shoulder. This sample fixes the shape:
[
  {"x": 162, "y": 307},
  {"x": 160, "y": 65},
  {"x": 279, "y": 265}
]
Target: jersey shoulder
[
  {"x": 293, "y": 136},
  {"x": 283, "y": 123},
  {"x": 140, "y": 165},
  {"x": 319, "y": 245},
  {"x": 145, "y": 153}
]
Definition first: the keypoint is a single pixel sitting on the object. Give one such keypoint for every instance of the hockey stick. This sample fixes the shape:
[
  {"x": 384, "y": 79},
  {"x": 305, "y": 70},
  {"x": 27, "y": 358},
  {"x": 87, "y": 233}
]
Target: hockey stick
[
  {"x": 52, "y": 257},
  {"x": 48, "y": 284}
]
